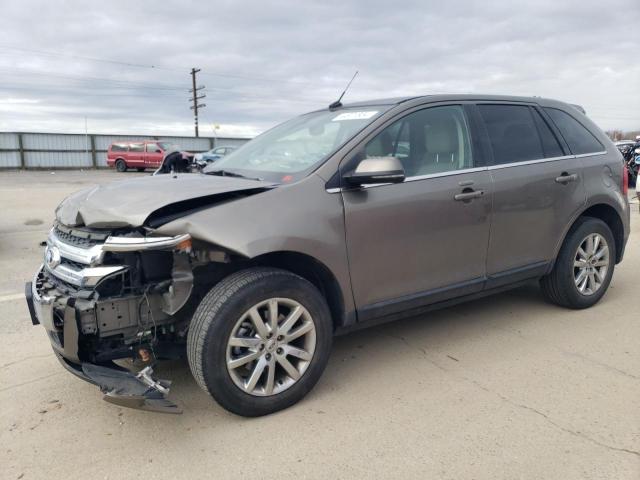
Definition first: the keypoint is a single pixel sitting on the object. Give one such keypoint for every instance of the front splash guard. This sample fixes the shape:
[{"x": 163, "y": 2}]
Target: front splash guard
[{"x": 126, "y": 389}]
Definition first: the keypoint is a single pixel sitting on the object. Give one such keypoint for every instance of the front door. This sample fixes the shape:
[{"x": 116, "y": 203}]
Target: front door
[
  {"x": 153, "y": 155},
  {"x": 423, "y": 240}
]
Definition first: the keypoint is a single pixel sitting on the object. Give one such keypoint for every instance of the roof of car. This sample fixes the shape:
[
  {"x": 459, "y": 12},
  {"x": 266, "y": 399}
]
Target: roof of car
[{"x": 447, "y": 97}]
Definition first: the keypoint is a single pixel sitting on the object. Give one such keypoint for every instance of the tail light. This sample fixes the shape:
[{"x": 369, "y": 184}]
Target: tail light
[{"x": 625, "y": 180}]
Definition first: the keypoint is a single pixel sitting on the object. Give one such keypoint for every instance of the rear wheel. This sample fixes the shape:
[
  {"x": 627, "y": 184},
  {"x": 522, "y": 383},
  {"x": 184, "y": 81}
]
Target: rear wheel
[
  {"x": 260, "y": 340},
  {"x": 584, "y": 266},
  {"x": 121, "y": 166}
]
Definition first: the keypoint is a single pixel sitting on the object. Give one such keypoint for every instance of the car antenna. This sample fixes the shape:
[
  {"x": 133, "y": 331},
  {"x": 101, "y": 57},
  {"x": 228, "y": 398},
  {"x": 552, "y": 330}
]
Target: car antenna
[{"x": 337, "y": 103}]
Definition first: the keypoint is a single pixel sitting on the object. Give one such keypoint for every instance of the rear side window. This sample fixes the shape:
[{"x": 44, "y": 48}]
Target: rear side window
[
  {"x": 137, "y": 147},
  {"x": 119, "y": 147},
  {"x": 579, "y": 139},
  {"x": 513, "y": 133}
]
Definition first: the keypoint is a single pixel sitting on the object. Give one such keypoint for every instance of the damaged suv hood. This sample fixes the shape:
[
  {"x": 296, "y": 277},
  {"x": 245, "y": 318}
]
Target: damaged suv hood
[{"x": 129, "y": 203}]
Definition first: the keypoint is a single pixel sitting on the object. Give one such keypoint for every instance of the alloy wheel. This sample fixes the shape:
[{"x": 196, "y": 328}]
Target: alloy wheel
[
  {"x": 270, "y": 347},
  {"x": 590, "y": 264}
]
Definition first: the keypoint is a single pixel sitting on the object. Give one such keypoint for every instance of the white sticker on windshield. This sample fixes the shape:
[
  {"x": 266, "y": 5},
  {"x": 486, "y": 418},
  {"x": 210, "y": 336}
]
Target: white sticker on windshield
[{"x": 354, "y": 116}]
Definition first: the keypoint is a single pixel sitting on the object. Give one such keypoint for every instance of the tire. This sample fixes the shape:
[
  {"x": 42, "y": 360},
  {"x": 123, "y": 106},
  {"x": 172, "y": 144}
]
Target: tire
[
  {"x": 559, "y": 286},
  {"x": 121, "y": 166},
  {"x": 216, "y": 320},
  {"x": 141, "y": 169}
]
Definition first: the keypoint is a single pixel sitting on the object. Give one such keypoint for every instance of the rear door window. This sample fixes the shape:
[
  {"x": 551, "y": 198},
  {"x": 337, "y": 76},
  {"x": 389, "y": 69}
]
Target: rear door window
[
  {"x": 512, "y": 132},
  {"x": 137, "y": 147},
  {"x": 579, "y": 139}
]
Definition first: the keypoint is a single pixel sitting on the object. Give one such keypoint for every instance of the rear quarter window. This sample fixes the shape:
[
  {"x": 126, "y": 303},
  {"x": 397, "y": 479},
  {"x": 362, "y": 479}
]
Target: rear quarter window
[
  {"x": 119, "y": 147},
  {"x": 579, "y": 139}
]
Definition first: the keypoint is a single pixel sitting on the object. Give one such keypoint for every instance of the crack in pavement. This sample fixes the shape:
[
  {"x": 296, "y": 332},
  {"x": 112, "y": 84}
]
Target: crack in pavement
[
  {"x": 514, "y": 403},
  {"x": 11, "y": 387},
  {"x": 600, "y": 364},
  {"x": 586, "y": 358},
  {"x": 24, "y": 360}
]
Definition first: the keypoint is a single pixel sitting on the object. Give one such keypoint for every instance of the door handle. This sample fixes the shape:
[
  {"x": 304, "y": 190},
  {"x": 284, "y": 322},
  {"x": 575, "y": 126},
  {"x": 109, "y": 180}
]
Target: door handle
[
  {"x": 565, "y": 178},
  {"x": 466, "y": 196}
]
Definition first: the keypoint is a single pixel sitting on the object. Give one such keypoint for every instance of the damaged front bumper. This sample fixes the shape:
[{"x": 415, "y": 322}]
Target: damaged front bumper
[
  {"x": 119, "y": 386},
  {"x": 89, "y": 328}
]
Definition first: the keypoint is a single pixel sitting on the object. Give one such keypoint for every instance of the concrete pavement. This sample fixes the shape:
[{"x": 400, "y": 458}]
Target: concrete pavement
[{"x": 501, "y": 388}]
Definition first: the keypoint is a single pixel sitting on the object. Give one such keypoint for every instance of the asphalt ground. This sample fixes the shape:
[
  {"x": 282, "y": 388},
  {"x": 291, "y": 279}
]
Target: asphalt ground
[{"x": 507, "y": 387}]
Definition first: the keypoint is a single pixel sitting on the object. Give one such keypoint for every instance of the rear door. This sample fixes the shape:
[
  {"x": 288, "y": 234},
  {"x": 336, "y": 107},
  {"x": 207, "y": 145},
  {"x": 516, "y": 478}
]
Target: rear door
[
  {"x": 424, "y": 240},
  {"x": 135, "y": 157},
  {"x": 538, "y": 188},
  {"x": 153, "y": 155}
]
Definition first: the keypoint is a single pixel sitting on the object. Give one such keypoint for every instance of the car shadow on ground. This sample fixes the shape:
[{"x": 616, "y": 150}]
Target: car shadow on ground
[{"x": 439, "y": 336}]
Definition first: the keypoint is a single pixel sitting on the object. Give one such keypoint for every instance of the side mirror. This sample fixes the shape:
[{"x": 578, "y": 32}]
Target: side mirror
[
  {"x": 158, "y": 151},
  {"x": 376, "y": 170}
]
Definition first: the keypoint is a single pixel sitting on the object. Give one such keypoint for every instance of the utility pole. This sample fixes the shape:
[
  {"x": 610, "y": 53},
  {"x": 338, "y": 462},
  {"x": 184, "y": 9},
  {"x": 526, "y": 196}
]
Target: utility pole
[{"x": 195, "y": 98}]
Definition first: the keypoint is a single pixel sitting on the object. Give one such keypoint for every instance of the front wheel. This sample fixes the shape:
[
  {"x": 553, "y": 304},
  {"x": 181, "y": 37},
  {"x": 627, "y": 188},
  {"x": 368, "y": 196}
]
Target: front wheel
[
  {"x": 259, "y": 340},
  {"x": 584, "y": 267}
]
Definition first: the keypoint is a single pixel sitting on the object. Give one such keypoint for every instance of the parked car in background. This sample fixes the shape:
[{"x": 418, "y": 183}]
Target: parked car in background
[
  {"x": 139, "y": 155},
  {"x": 622, "y": 144},
  {"x": 214, "y": 154}
]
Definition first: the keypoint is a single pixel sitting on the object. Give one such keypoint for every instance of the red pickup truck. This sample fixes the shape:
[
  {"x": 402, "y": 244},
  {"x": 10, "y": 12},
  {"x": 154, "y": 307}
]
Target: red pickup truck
[{"x": 140, "y": 155}]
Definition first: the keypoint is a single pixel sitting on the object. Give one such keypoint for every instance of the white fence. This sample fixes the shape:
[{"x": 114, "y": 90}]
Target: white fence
[{"x": 61, "y": 150}]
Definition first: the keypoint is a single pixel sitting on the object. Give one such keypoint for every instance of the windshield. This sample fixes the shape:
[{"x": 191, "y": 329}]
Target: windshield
[{"x": 293, "y": 149}]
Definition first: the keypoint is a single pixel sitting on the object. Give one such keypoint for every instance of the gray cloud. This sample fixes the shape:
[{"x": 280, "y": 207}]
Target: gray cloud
[{"x": 263, "y": 62}]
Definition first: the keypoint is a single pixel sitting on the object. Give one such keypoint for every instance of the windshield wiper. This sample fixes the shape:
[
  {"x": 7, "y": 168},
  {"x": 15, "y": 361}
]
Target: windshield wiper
[{"x": 227, "y": 173}]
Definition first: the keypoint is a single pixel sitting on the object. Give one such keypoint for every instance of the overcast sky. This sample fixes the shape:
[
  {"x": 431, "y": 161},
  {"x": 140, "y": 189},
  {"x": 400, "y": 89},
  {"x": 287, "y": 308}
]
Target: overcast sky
[{"x": 265, "y": 61}]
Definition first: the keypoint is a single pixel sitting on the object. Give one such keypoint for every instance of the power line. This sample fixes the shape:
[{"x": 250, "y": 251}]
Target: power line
[
  {"x": 14, "y": 71},
  {"x": 155, "y": 67}
]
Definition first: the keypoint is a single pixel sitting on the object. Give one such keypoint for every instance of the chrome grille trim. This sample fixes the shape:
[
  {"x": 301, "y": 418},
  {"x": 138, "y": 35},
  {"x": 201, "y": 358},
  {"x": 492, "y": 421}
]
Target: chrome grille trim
[
  {"x": 87, "y": 277},
  {"x": 82, "y": 267}
]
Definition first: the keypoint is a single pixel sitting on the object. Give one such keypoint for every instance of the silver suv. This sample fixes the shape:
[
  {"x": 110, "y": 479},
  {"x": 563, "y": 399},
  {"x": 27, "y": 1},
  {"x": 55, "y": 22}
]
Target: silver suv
[{"x": 335, "y": 220}]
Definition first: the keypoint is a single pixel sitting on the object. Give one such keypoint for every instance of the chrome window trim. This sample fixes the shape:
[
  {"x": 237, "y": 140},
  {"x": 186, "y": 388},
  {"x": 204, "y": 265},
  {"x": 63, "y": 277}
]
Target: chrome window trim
[
  {"x": 544, "y": 160},
  {"x": 581, "y": 155},
  {"x": 531, "y": 162},
  {"x": 416, "y": 178},
  {"x": 476, "y": 169}
]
